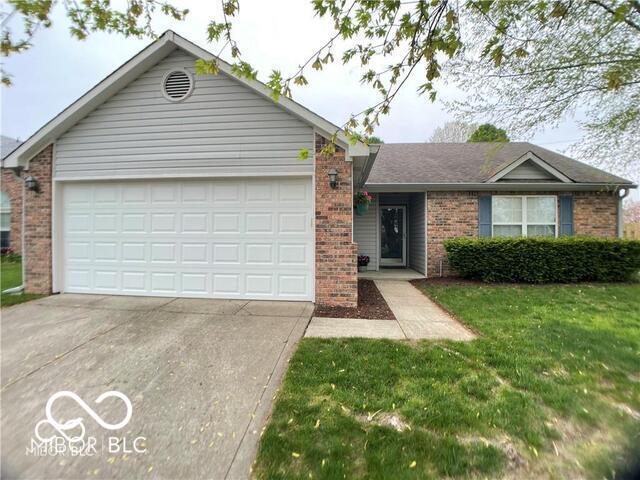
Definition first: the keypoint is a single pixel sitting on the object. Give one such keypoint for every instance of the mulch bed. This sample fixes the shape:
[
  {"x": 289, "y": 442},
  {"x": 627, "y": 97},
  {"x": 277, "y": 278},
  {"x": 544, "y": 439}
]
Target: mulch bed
[{"x": 371, "y": 305}]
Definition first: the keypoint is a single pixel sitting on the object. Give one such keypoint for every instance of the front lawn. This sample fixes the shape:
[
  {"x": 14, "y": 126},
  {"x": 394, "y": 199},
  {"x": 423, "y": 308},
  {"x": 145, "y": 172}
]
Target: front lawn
[
  {"x": 550, "y": 389},
  {"x": 11, "y": 276}
]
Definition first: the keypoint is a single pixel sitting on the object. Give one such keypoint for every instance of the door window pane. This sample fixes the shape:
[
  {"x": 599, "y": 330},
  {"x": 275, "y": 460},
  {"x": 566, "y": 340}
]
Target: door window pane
[
  {"x": 507, "y": 209},
  {"x": 541, "y": 210},
  {"x": 507, "y": 230},
  {"x": 391, "y": 233}
]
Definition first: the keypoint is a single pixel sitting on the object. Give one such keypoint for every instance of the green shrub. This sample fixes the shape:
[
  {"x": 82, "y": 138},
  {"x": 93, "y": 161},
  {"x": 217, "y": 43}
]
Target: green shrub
[{"x": 544, "y": 260}]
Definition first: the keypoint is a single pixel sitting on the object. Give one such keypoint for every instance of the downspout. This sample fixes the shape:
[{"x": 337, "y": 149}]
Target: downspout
[
  {"x": 22, "y": 234},
  {"x": 621, "y": 197}
]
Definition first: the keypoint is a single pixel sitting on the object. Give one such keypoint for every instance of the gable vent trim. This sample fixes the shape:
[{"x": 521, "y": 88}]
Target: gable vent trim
[{"x": 177, "y": 85}]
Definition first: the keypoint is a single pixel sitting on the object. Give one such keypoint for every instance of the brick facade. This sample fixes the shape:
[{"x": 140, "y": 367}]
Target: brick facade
[
  {"x": 455, "y": 214},
  {"x": 37, "y": 240},
  {"x": 595, "y": 214},
  {"x": 12, "y": 186},
  {"x": 336, "y": 254},
  {"x": 449, "y": 215}
]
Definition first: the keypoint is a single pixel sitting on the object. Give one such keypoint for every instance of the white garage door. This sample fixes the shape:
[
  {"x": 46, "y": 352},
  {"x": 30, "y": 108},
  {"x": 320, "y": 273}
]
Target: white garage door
[{"x": 224, "y": 239}]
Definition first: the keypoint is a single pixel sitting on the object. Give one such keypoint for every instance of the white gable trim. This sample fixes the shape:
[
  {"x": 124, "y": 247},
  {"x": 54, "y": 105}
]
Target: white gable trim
[
  {"x": 530, "y": 156},
  {"x": 135, "y": 66}
]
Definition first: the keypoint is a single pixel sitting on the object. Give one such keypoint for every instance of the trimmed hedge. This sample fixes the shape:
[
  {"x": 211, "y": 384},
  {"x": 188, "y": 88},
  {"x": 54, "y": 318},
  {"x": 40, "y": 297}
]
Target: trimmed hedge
[{"x": 544, "y": 260}]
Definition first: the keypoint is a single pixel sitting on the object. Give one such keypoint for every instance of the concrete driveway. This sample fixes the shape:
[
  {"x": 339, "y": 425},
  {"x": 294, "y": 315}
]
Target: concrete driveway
[{"x": 200, "y": 376}]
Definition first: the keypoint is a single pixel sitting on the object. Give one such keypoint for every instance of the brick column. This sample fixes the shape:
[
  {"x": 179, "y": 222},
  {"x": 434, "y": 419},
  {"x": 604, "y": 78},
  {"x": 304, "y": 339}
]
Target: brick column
[
  {"x": 37, "y": 225},
  {"x": 336, "y": 254},
  {"x": 12, "y": 186},
  {"x": 449, "y": 215}
]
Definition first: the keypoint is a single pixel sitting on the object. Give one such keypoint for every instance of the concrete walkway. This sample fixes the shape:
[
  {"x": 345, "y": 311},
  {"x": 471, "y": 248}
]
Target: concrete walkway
[{"x": 418, "y": 318}]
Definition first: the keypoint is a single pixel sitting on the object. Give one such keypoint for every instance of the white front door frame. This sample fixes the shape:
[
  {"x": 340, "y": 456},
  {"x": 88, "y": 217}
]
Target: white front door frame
[{"x": 391, "y": 262}]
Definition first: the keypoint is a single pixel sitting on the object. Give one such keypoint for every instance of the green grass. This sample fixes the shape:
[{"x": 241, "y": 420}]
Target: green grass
[
  {"x": 541, "y": 393},
  {"x": 11, "y": 276}
]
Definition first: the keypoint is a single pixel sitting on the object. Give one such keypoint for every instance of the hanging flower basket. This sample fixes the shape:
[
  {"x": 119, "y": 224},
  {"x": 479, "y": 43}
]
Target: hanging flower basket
[
  {"x": 362, "y": 209},
  {"x": 361, "y": 202}
]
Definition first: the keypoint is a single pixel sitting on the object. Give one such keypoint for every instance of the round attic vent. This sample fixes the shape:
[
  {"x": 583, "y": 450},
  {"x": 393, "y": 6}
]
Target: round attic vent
[{"x": 177, "y": 85}]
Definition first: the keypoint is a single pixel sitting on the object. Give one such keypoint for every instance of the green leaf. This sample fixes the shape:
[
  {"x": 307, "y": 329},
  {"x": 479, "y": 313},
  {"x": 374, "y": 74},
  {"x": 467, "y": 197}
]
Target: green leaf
[
  {"x": 207, "y": 67},
  {"x": 303, "y": 154},
  {"x": 215, "y": 30},
  {"x": 243, "y": 69}
]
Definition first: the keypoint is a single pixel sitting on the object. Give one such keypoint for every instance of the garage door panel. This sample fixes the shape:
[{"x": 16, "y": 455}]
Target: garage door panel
[
  {"x": 164, "y": 282},
  {"x": 195, "y": 222},
  {"x": 134, "y": 282},
  {"x": 226, "y": 192},
  {"x": 259, "y": 222},
  {"x": 134, "y": 252},
  {"x": 226, "y": 253},
  {"x": 197, "y": 253},
  {"x": 291, "y": 285},
  {"x": 295, "y": 191},
  {"x": 106, "y": 280},
  {"x": 221, "y": 239},
  {"x": 134, "y": 223},
  {"x": 164, "y": 223},
  {"x": 134, "y": 195},
  {"x": 164, "y": 193},
  {"x": 195, "y": 283},
  {"x": 260, "y": 193}
]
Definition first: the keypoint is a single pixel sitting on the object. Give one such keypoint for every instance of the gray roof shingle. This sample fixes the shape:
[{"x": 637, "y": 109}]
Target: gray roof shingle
[{"x": 423, "y": 163}]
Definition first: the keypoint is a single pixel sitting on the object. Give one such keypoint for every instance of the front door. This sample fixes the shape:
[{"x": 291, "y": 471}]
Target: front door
[{"x": 393, "y": 238}]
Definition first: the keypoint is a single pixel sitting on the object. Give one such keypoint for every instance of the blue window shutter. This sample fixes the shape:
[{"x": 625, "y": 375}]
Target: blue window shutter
[
  {"x": 484, "y": 216},
  {"x": 566, "y": 215}
]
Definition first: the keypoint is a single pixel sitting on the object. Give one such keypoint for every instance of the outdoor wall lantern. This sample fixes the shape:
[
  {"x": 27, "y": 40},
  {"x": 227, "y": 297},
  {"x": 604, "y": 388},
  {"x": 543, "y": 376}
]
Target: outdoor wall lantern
[
  {"x": 32, "y": 184},
  {"x": 333, "y": 178}
]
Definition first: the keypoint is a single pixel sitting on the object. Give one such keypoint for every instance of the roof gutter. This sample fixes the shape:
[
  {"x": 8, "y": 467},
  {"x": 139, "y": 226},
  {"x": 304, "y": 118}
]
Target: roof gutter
[{"x": 515, "y": 186}]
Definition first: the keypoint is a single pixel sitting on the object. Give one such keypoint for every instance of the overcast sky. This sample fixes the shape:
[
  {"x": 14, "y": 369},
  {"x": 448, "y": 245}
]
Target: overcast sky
[{"x": 59, "y": 69}]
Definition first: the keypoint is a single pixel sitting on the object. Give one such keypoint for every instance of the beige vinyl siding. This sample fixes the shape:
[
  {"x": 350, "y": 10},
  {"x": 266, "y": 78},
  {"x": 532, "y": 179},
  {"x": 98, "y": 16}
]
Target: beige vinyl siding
[
  {"x": 365, "y": 233},
  {"x": 222, "y": 128},
  {"x": 528, "y": 171},
  {"x": 416, "y": 225}
]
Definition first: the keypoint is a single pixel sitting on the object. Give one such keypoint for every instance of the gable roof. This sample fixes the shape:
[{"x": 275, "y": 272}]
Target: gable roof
[
  {"x": 475, "y": 163},
  {"x": 537, "y": 162},
  {"x": 137, "y": 65}
]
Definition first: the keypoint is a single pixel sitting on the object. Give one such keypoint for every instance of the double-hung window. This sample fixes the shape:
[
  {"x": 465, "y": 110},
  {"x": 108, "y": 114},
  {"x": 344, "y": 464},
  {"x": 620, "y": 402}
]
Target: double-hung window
[
  {"x": 5, "y": 220},
  {"x": 524, "y": 216}
]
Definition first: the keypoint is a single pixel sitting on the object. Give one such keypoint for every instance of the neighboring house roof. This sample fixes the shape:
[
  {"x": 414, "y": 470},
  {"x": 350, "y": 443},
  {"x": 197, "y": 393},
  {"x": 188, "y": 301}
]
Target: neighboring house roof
[
  {"x": 8, "y": 145},
  {"x": 140, "y": 63},
  {"x": 475, "y": 163}
]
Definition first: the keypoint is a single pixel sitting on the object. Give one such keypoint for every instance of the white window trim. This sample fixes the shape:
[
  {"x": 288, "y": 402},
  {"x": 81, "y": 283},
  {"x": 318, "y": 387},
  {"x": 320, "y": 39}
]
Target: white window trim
[
  {"x": 523, "y": 223},
  {"x": 6, "y": 209}
]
